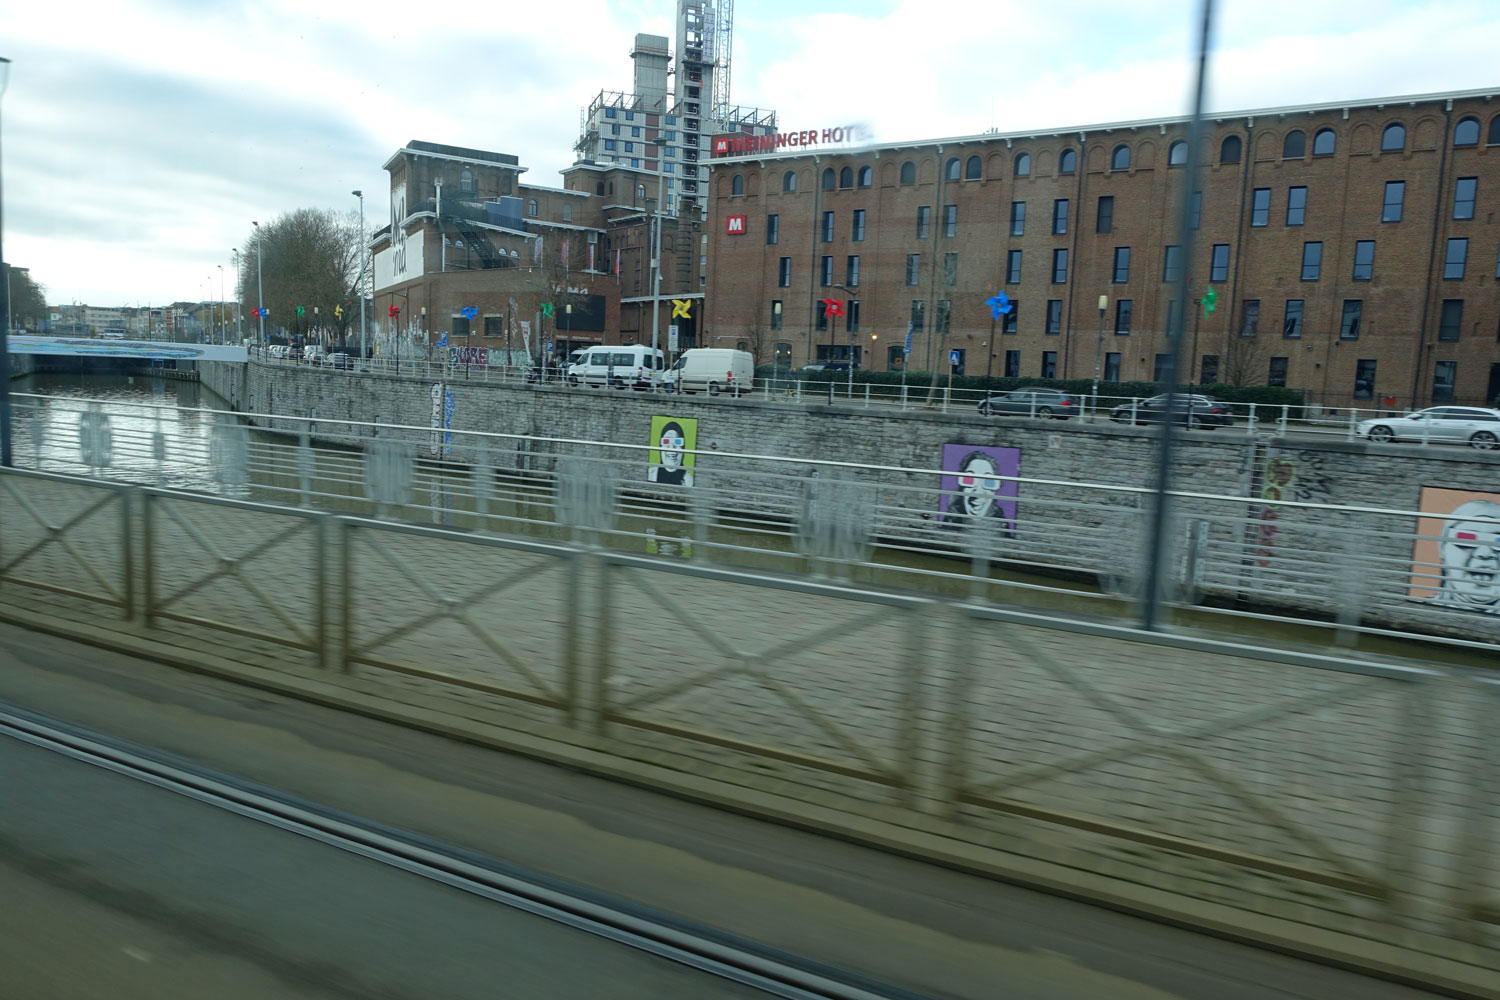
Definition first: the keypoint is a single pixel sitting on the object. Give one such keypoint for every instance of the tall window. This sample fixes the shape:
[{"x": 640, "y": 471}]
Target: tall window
[
  {"x": 773, "y": 229},
  {"x": 736, "y": 184},
  {"x": 1059, "y": 216},
  {"x": 1455, "y": 259},
  {"x": 1011, "y": 321},
  {"x": 1452, "y": 321},
  {"x": 851, "y": 316},
  {"x": 784, "y": 273},
  {"x": 1296, "y": 205},
  {"x": 827, "y": 227},
  {"x": 950, "y": 220},
  {"x": 866, "y": 177},
  {"x": 1294, "y": 147},
  {"x": 1466, "y": 132},
  {"x": 1463, "y": 197},
  {"x": 821, "y": 320},
  {"x": 973, "y": 169},
  {"x": 940, "y": 320},
  {"x": 1112, "y": 366},
  {"x": 1159, "y": 368},
  {"x": 789, "y": 181},
  {"x": 531, "y": 208},
  {"x": 1324, "y": 142},
  {"x": 1171, "y": 263},
  {"x": 1013, "y": 267},
  {"x": 1121, "y": 273},
  {"x": 1250, "y": 318},
  {"x": 1012, "y": 364},
  {"x": 908, "y": 173},
  {"x": 1195, "y": 210},
  {"x": 1018, "y": 218},
  {"x": 1054, "y": 317},
  {"x": 1291, "y": 323},
  {"x": 1059, "y": 266},
  {"x": 1444, "y": 375},
  {"x": 1124, "y": 308},
  {"x": 825, "y": 271},
  {"x": 1218, "y": 267},
  {"x": 1349, "y": 324},
  {"x": 1393, "y": 139},
  {"x": 950, "y": 269},
  {"x": 828, "y": 179},
  {"x": 1171, "y": 315},
  {"x": 1395, "y": 201},
  {"x": 1208, "y": 372},
  {"x": 1023, "y": 165},
  {"x": 1049, "y": 364},
  {"x": 466, "y": 182},
  {"x": 924, "y": 221},
  {"x": 1260, "y": 207},
  {"x": 1177, "y": 154},
  {"x": 918, "y": 315},
  {"x": 851, "y": 270},
  {"x": 1229, "y": 151},
  {"x": 775, "y": 314},
  {"x": 950, "y": 170},
  {"x": 1104, "y": 218},
  {"x": 1120, "y": 158},
  {"x": 1364, "y": 260},
  {"x": 1312, "y": 261},
  {"x": 1067, "y": 163},
  {"x": 846, "y": 177},
  {"x": 1277, "y": 373},
  {"x": 857, "y": 232},
  {"x": 1364, "y": 378},
  {"x": 913, "y": 268}
]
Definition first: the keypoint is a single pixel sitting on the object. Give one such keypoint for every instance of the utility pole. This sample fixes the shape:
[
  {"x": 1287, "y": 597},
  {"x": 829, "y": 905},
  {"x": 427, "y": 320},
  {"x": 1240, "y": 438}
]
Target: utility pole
[
  {"x": 364, "y": 346},
  {"x": 660, "y": 142},
  {"x": 1099, "y": 350},
  {"x": 260, "y": 282}
]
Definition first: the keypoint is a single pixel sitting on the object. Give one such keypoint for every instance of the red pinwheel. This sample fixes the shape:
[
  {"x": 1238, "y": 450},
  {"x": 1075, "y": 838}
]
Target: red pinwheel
[{"x": 833, "y": 307}]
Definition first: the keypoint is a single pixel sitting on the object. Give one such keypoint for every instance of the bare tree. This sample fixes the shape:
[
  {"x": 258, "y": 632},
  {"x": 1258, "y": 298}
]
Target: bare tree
[
  {"x": 1244, "y": 362},
  {"x": 760, "y": 342},
  {"x": 311, "y": 259}
]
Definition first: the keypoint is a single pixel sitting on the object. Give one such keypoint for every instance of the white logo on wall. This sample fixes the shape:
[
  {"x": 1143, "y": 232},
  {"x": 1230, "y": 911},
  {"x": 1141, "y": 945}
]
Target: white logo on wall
[{"x": 398, "y": 213}]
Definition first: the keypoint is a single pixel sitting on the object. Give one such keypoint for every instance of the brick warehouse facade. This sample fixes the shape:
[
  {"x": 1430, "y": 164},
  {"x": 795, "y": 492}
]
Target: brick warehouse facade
[{"x": 1352, "y": 249}]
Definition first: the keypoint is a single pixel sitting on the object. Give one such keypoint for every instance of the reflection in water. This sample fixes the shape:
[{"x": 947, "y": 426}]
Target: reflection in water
[{"x": 170, "y": 445}]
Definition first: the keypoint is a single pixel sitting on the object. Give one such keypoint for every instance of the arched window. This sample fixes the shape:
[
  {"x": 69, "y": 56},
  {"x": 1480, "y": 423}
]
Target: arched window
[
  {"x": 1229, "y": 150},
  {"x": 950, "y": 171},
  {"x": 1177, "y": 154},
  {"x": 1467, "y": 132},
  {"x": 846, "y": 177},
  {"x": 789, "y": 181},
  {"x": 1393, "y": 139},
  {"x": 599, "y": 188},
  {"x": 827, "y": 178},
  {"x": 531, "y": 208},
  {"x": 1493, "y": 139},
  {"x": 973, "y": 169},
  {"x": 466, "y": 179},
  {"x": 1023, "y": 165},
  {"x": 737, "y": 186},
  {"x": 1323, "y": 142},
  {"x": 1294, "y": 146},
  {"x": 866, "y": 177},
  {"x": 1120, "y": 158},
  {"x": 908, "y": 173},
  {"x": 1067, "y": 163}
]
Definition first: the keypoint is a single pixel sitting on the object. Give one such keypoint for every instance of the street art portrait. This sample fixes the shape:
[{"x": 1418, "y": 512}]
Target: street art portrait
[
  {"x": 1456, "y": 558},
  {"x": 672, "y": 440},
  {"x": 976, "y": 487}
]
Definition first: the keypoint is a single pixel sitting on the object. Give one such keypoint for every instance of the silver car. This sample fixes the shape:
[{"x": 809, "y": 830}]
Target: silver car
[{"x": 1474, "y": 425}]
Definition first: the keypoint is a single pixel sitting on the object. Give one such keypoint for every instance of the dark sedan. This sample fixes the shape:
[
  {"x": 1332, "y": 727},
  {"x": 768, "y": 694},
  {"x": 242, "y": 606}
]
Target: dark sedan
[
  {"x": 1031, "y": 403},
  {"x": 1191, "y": 411}
]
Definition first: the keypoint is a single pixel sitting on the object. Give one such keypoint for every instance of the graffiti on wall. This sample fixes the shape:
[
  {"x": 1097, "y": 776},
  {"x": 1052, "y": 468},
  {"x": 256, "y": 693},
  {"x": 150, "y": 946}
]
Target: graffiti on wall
[
  {"x": 1456, "y": 557},
  {"x": 441, "y": 421},
  {"x": 975, "y": 485},
  {"x": 1302, "y": 479},
  {"x": 673, "y": 440}
]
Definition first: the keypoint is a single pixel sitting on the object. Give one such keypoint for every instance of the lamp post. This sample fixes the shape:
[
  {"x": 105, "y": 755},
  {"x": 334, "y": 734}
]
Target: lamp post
[
  {"x": 260, "y": 287},
  {"x": 1099, "y": 348},
  {"x": 239, "y": 313},
  {"x": 5, "y": 458},
  {"x": 833, "y": 330},
  {"x": 364, "y": 346},
  {"x": 660, "y": 142},
  {"x": 222, "y": 302}
]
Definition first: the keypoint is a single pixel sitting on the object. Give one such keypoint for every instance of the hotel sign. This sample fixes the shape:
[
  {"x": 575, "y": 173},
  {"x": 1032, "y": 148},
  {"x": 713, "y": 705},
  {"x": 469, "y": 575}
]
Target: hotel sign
[{"x": 738, "y": 144}]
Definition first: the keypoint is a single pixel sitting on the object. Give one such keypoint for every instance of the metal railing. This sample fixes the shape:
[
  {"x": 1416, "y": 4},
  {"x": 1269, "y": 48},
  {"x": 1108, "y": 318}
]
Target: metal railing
[
  {"x": 1129, "y": 753},
  {"x": 1327, "y": 568}
]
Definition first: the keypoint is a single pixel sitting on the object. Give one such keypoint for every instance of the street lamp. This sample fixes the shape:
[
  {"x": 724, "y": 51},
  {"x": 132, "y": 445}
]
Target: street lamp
[
  {"x": 239, "y": 314},
  {"x": 1099, "y": 347},
  {"x": 833, "y": 330},
  {"x": 260, "y": 286},
  {"x": 5, "y": 459},
  {"x": 364, "y": 346},
  {"x": 660, "y": 143},
  {"x": 221, "y": 302}
]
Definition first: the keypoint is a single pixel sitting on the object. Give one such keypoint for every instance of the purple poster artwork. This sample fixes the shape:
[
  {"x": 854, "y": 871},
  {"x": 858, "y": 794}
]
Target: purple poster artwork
[{"x": 975, "y": 488}]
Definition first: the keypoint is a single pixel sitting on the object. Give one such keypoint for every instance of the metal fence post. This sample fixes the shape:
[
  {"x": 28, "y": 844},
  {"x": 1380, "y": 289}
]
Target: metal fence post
[
  {"x": 127, "y": 548},
  {"x": 599, "y": 710},
  {"x": 1400, "y": 860},
  {"x": 346, "y": 595},
  {"x": 321, "y": 596},
  {"x": 148, "y": 558}
]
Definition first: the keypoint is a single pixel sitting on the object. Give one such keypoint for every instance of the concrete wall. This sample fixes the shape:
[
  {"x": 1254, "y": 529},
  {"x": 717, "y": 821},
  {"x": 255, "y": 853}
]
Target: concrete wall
[{"x": 1328, "y": 561}]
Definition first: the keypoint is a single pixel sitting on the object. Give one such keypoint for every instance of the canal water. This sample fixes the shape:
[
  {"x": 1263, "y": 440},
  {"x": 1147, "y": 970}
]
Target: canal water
[{"x": 447, "y": 498}]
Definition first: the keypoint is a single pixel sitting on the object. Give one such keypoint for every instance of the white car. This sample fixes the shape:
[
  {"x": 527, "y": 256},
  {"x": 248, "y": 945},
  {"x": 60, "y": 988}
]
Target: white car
[{"x": 1473, "y": 425}]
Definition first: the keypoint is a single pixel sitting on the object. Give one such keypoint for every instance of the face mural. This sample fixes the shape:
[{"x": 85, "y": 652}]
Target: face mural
[
  {"x": 1456, "y": 559},
  {"x": 976, "y": 486},
  {"x": 672, "y": 439}
]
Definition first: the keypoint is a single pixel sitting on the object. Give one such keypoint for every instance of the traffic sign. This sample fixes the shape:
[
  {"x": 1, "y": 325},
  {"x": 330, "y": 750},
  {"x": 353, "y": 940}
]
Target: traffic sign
[
  {"x": 953, "y": 357},
  {"x": 549, "y": 347},
  {"x": 672, "y": 338}
]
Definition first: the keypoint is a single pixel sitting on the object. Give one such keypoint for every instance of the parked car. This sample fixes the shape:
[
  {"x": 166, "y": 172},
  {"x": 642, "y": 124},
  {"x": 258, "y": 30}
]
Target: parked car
[
  {"x": 1476, "y": 425},
  {"x": 1031, "y": 403},
  {"x": 313, "y": 353},
  {"x": 277, "y": 351},
  {"x": 339, "y": 359},
  {"x": 1191, "y": 411},
  {"x": 824, "y": 366}
]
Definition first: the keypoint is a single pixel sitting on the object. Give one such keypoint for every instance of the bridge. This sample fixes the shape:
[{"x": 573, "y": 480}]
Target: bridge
[
  {"x": 1277, "y": 791},
  {"x": 91, "y": 347}
]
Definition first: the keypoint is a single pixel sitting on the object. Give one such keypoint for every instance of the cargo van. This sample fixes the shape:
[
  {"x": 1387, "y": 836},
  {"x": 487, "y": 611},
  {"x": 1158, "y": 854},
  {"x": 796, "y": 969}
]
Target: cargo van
[
  {"x": 714, "y": 370},
  {"x": 618, "y": 365}
]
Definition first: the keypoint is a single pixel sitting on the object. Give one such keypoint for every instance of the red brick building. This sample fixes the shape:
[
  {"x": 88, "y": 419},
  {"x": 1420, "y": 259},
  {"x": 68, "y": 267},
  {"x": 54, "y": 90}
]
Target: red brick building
[{"x": 1352, "y": 250}]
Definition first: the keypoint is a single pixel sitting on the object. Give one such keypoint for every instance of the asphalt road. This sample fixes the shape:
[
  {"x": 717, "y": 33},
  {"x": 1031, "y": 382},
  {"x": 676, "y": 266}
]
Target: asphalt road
[{"x": 117, "y": 889}]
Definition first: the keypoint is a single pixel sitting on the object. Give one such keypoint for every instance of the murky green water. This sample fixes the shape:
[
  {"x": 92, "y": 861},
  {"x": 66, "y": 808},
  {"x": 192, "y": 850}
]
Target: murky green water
[{"x": 519, "y": 504}]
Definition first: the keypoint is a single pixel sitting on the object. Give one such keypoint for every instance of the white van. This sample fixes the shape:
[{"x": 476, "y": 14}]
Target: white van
[
  {"x": 713, "y": 369},
  {"x": 618, "y": 365}
]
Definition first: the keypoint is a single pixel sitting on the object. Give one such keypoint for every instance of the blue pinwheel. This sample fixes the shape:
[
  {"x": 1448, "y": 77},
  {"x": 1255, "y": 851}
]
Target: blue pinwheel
[
  {"x": 468, "y": 312},
  {"x": 999, "y": 304}
]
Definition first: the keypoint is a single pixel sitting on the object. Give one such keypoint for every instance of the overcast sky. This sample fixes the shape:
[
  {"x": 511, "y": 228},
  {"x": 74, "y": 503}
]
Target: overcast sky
[{"x": 140, "y": 137}]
